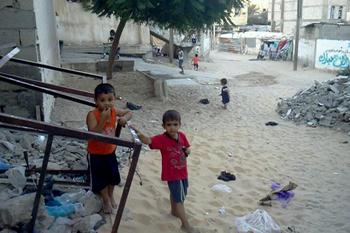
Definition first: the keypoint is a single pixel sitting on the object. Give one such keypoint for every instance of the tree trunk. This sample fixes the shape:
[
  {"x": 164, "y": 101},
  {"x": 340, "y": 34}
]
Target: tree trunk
[{"x": 114, "y": 47}]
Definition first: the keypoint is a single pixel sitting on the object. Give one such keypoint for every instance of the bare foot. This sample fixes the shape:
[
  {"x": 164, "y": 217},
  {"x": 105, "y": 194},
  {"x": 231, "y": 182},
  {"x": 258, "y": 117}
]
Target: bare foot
[
  {"x": 113, "y": 204},
  {"x": 189, "y": 229},
  {"x": 107, "y": 208}
]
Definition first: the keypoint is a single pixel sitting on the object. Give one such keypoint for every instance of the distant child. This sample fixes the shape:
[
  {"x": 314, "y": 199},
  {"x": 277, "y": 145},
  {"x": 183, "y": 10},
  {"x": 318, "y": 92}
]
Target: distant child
[
  {"x": 180, "y": 57},
  {"x": 103, "y": 164},
  {"x": 225, "y": 94},
  {"x": 195, "y": 61},
  {"x": 174, "y": 148}
]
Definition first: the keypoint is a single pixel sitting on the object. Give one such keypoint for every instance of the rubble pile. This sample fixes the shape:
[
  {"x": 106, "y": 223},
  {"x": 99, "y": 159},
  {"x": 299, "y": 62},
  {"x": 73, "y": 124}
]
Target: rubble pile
[
  {"x": 66, "y": 153},
  {"x": 325, "y": 104}
]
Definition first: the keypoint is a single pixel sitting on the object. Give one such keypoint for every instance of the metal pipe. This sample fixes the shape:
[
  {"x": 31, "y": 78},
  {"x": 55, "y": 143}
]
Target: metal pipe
[
  {"x": 41, "y": 183},
  {"x": 62, "y": 131},
  {"x": 7, "y": 57},
  {"x": 122, "y": 202},
  {"x": 7, "y": 78},
  {"x": 64, "y": 70},
  {"x": 50, "y": 86}
]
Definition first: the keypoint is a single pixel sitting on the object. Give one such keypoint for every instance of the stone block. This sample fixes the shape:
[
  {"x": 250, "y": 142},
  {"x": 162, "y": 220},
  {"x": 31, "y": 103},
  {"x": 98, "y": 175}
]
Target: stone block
[
  {"x": 9, "y": 36},
  {"x": 27, "y": 37},
  {"x": 6, "y": 3},
  {"x": 26, "y": 4},
  {"x": 14, "y": 18}
]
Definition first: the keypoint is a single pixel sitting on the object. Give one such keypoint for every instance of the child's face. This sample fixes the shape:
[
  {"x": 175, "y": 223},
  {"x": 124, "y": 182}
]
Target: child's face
[
  {"x": 105, "y": 101},
  {"x": 172, "y": 128}
]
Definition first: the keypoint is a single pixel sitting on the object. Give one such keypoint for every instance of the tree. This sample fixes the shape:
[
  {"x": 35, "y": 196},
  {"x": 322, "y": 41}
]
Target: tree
[
  {"x": 255, "y": 16},
  {"x": 182, "y": 15}
]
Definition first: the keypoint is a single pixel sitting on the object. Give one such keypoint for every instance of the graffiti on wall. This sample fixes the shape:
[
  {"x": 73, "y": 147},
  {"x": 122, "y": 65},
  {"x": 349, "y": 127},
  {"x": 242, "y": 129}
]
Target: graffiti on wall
[
  {"x": 333, "y": 54},
  {"x": 335, "y": 58}
]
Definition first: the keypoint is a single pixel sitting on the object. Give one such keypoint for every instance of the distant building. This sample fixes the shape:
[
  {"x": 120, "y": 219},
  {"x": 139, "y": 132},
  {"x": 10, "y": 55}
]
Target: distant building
[
  {"x": 240, "y": 16},
  {"x": 314, "y": 11},
  {"x": 262, "y": 4}
]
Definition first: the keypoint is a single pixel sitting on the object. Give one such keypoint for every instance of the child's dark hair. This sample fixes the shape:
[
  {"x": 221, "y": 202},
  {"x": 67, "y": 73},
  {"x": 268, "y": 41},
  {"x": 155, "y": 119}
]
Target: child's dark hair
[
  {"x": 196, "y": 55},
  {"x": 171, "y": 115},
  {"x": 104, "y": 88},
  {"x": 223, "y": 81}
]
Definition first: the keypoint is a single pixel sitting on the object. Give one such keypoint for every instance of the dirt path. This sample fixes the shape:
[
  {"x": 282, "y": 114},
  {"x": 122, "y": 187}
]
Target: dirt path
[{"x": 236, "y": 140}]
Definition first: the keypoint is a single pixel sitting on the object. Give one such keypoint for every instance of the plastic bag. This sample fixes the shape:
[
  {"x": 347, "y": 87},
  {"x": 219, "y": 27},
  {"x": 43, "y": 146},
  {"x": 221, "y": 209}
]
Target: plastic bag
[
  {"x": 17, "y": 178},
  {"x": 65, "y": 210},
  {"x": 257, "y": 222},
  {"x": 221, "y": 188}
]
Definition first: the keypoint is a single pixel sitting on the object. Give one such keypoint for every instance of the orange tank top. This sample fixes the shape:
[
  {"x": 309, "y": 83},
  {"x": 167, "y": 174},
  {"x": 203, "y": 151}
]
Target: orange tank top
[{"x": 97, "y": 147}]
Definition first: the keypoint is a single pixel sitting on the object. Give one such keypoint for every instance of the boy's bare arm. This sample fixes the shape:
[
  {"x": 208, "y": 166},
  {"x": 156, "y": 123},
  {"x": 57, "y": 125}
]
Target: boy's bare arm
[
  {"x": 125, "y": 116},
  {"x": 92, "y": 122},
  {"x": 144, "y": 139}
]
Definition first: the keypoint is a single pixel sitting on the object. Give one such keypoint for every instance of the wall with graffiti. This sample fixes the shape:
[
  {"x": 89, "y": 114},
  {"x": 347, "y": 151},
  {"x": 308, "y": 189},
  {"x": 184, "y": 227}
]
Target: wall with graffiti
[{"x": 332, "y": 54}]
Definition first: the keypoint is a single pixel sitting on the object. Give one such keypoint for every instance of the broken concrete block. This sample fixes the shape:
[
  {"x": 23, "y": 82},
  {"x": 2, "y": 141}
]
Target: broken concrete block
[
  {"x": 91, "y": 202},
  {"x": 86, "y": 224},
  {"x": 19, "y": 209}
]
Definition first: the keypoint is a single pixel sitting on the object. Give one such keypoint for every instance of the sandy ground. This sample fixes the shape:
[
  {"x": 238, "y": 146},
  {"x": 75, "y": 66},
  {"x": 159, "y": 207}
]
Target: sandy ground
[{"x": 238, "y": 141}]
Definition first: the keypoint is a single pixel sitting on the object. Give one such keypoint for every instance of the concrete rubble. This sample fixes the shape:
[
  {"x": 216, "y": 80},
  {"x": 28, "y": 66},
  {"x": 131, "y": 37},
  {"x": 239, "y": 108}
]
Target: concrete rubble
[
  {"x": 65, "y": 154},
  {"x": 324, "y": 104}
]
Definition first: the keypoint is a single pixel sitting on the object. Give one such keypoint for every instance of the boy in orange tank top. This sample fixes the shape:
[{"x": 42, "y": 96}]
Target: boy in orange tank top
[{"x": 103, "y": 163}]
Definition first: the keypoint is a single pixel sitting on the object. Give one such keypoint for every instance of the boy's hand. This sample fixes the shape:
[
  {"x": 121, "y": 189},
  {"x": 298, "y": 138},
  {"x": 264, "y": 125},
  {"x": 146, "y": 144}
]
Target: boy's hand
[
  {"x": 122, "y": 121},
  {"x": 106, "y": 114}
]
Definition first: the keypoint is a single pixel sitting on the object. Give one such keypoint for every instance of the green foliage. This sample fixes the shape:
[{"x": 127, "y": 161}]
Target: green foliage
[
  {"x": 178, "y": 14},
  {"x": 255, "y": 16}
]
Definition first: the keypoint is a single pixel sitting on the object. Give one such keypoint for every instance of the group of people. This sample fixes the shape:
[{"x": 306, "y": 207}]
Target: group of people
[
  {"x": 172, "y": 143},
  {"x": 194, "y": 62}
]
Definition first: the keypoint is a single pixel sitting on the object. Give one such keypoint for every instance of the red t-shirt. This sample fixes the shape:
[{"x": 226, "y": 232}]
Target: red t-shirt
[
  {"x": 195, "y": 60},
  {"x": 174, "y": 165}
]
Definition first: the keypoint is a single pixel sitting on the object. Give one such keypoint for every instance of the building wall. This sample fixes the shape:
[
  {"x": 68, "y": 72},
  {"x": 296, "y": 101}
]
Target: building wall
[
  {"x": 241, "y": 18},
  {"x": 313, "y": 11},
  {"x": 30, "y": 25},
  {"x": 306, "y": 55},
  {"x": 47, "y": 48},
  {"x": 80, "y": 27},
  {"x": 332, "y": 54}
]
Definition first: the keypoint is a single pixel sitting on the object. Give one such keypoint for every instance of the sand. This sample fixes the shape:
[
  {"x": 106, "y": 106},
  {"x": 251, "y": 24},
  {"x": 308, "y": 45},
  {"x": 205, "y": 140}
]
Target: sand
[{"x": 236, "y": 140}]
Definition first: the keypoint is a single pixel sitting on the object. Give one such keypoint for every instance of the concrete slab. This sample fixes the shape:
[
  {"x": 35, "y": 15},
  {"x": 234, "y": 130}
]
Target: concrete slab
[{"x": 180, "y": 82}]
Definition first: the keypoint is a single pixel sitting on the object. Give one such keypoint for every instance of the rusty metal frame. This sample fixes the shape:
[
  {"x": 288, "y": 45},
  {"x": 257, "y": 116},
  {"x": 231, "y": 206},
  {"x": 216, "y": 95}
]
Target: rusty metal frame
[
  {"x": 51, "y": 131},
  {"x": 64, "y": 70}
]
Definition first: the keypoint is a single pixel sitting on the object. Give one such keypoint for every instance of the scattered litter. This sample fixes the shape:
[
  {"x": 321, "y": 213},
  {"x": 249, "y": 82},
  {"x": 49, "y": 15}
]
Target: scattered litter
[
  {"x": 345, "y": 142},
  {"x": 16, "y": 177},
  {"x": 132, "y": 106},
  {"x": 222, "y": 211},
  {"x": 221, "y": 188},
  {"x": 204, "y": 101},
  {"x": 257, "y": 222},
  {"x": 284, "y": 195},
  {"x": 4, "y": 166},
  {"x": 271, "y": 123},
  {"x": 226, "y": 176}
]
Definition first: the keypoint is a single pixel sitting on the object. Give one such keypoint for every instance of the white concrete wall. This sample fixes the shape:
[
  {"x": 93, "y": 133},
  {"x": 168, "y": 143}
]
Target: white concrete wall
[
  {"x": 306, "y": 54},
  {"x": 48, "y": 48},
  {"x": 77, "y": 26},
  {"x": 332, "y": 54}
]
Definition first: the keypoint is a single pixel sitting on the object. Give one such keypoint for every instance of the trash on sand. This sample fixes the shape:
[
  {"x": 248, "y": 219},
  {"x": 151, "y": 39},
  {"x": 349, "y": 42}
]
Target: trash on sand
[
  {"x": 257, "y": 222},
  {"x": 271, "y": 123},
  {"x": 284, "y": 195},
  {"x": 222, "y": 211},
  {"x": 226, "y": 176},
  {"x": 221, "y": 188},
  {"x": 204, "y": 101},
  {"x": 132, "y": 106},
  {"x": 4, "y": 166}
]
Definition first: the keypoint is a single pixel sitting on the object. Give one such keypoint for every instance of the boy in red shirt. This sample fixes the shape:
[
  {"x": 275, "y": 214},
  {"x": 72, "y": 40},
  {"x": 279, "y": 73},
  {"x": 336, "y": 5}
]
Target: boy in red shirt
[
  {"x": 102, "y": 160},
  {"x": 174, "y": 147},
  {"x": 195, "y": 61}
]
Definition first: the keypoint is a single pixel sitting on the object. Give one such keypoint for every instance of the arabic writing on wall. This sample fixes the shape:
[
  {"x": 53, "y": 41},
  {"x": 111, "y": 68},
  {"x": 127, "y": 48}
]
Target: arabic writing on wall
[{"x": 333, "y": 54}]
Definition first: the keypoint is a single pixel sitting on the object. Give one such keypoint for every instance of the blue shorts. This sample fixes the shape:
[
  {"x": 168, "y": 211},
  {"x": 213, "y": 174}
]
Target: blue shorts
[
  {"x": 178, "y": 190},
  {"x": 103, "y": 171}
]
